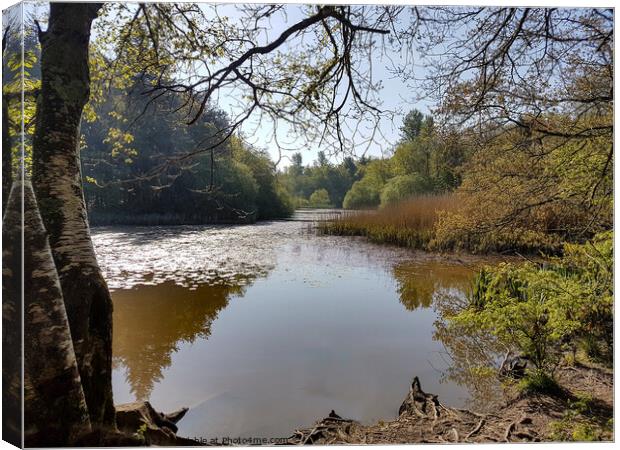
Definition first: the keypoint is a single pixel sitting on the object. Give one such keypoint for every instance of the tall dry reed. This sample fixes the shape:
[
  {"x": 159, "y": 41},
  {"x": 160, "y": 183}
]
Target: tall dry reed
[{"x": 409, "y": 223}]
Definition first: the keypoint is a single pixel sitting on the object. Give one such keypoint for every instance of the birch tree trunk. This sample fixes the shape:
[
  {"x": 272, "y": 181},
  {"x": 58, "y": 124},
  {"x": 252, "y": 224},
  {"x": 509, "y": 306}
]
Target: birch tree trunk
[
  {"x": 58, "y": 186},
  {"x": 55, "y": 412},
  {"x": 12, "y": 308}
]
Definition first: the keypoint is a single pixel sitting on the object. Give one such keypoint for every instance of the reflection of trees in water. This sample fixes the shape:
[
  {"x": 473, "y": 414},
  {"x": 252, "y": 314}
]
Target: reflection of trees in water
[
  {"x": 474, "y": 356},
  {"x": 419, "y": 284},
  {"x": 471, "y": 357},
  {"x": 151, "y": 321}
]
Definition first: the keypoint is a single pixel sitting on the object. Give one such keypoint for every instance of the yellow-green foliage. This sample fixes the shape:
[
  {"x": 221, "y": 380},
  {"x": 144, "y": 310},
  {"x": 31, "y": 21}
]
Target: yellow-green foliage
[
  {"x": 402, "y": 187},
  {"x": 527, "y": 192},
  {"x": 537, "y": 309},
  {"x": 21, "y": 83},
  {"x": 365, "y": 193},
  {"x": 518, "y": 194},
  {"x": 433, "y": 222},
  {"x": 462, "y": 230},
  {"x": 320, "y": 199}
]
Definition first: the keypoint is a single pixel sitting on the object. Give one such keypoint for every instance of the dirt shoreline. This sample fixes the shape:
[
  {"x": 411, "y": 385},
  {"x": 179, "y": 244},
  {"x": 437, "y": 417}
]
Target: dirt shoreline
[{"x": 585, "y": 402}]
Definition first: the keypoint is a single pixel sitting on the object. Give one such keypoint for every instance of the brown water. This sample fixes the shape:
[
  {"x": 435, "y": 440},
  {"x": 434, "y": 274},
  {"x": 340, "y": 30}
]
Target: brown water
[{"x": 264, "y": 328}]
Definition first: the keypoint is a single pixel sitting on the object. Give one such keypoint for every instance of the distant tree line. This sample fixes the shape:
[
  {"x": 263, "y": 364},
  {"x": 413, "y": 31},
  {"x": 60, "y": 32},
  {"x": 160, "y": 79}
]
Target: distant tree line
[
  {"x": 322, "y": 184},
  {"x": 138, "y": 173},
  {"x": 130, "y": 178},
  {"x": 424, "y": 161}
]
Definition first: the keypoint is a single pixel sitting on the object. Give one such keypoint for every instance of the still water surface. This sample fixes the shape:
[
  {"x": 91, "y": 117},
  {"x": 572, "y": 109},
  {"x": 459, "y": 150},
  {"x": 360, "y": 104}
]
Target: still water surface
[{"x": 264, "y": 328}]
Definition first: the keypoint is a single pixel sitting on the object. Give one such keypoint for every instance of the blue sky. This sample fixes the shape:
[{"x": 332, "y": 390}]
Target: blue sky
[{"x": 395, "y": 95}]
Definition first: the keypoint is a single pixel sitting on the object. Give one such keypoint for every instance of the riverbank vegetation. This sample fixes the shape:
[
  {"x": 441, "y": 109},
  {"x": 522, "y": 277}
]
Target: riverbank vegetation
[
  {"x": 547, "y": 312},
  {"x": 527, "y": 158},
  {"x": 529, "y": 172},
  {"x": 539, "y": 333},
  {"x": 512, "y": 192},
  {"x": 410, "y": 223}
]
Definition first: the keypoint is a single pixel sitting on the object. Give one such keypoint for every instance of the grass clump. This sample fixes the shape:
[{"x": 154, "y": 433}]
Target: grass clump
[{"x": 538, "y": 382}]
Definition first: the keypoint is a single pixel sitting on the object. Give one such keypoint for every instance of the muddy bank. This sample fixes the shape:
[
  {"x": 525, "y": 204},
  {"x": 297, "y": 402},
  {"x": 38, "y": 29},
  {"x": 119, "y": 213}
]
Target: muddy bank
[{"x": 581, "y": 410}]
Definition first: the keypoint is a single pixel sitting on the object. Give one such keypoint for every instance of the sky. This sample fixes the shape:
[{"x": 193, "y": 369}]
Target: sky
[{"x": 396, "y": 96}]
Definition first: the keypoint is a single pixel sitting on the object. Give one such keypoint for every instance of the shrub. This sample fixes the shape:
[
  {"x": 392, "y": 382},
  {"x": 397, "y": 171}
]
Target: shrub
[
  {"x": 362, "y": 195},
  {"x": 588, "y": 283},
  {"x": 461, "y": 229},
  {"x": 537, "y": 308},
  {"x": 531, "y": 196},
  {"x": 539, "y": 382},
  {"x": 512, "y": 308},
  {"x": 579, "y": 423},
  {"x": 320, "y": 199},
  {"x": 301, "y": 202},
  {"x": 403, "y": 187}
]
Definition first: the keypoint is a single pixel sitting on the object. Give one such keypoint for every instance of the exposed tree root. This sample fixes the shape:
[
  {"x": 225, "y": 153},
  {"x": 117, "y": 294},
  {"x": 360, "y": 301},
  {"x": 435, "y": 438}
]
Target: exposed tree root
[{"x": 422, "y": 418}]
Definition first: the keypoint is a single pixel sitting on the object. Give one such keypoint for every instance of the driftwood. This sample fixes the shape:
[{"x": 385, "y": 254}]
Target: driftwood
[
  {"x": 139, "y": 424},
  {"x": 420, "y": 403},
  {"x": 333, "y": 426}
]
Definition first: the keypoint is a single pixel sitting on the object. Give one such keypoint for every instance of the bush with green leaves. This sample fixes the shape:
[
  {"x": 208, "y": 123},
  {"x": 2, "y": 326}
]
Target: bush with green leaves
[
  {"x": 579, "y": 422},
  {"x": 363, "y": 195},
  {"x": 403, "y": 187},
  {"x": 320, "y": 199},
  {"x": 541, "y": 309}
]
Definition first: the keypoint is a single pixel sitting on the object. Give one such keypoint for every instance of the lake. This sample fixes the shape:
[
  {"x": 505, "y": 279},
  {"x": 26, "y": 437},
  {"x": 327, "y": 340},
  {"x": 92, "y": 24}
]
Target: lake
[{"x": 261, "y": 329}]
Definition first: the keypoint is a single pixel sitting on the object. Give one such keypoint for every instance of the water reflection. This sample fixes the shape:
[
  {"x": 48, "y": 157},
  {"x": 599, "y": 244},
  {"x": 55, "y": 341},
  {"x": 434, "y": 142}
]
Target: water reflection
[
  {"x": 420, "y": 284},
  {"x": 325, "y": 323},
  {"x": 473, "y": 357},
  {"x": 151, "y": 322}
]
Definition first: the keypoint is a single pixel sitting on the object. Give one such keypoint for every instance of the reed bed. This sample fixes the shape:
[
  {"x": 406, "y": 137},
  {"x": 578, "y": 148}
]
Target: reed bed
[{"x": 410, "y": 223}]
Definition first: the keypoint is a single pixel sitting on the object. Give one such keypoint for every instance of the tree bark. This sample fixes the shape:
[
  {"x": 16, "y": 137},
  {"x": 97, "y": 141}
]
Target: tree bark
[
  {"x": 12, "y": 308},
  {"x": 55, "y": 412},
  {"x": 65, "y": 88}
]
